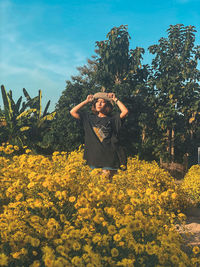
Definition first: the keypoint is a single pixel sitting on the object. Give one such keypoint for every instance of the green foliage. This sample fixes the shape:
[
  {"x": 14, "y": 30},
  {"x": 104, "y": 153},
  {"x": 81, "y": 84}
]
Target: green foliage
[
  {"x": 163, "y": 99},
  {"x": 118, "y": 69},
  {"x": 67, "y": 133},
  {"x": 16, "y": 119},
  {"x": 175, "y": 83},
  {"x": 191, "y": 184},
  {"x": 24, "y": 123}
]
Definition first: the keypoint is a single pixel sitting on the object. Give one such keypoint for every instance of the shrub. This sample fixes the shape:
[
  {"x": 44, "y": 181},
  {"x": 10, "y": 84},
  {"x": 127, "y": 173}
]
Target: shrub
[
  {"x": 191, "y": 183},
  {"x": 57, "y": 212}
]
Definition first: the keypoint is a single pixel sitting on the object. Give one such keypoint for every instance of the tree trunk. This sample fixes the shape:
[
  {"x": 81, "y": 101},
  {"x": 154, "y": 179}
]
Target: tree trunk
[
  {"x": 172, "y": 145},
  {"x": 143, "y": 134}
]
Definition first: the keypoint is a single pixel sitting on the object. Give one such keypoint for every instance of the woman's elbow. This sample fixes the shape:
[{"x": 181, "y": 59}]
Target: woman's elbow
[
  {"x": 124, "y": 114},
  {"x": 74, "y": 114}
]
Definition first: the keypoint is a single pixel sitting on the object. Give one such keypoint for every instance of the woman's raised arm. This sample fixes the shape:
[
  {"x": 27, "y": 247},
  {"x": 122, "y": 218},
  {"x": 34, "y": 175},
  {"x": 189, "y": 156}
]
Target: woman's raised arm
[
  {"x": 122, "y": 107},
  {"x": 74, "y": 110}
]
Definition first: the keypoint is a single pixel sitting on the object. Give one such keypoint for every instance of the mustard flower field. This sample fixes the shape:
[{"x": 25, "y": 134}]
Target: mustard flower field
[{"x": 56, "y": 212}]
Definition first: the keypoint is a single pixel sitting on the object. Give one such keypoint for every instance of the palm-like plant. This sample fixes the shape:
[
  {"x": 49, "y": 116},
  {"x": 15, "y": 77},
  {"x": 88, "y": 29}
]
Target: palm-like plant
[{"x": 24, "y": 123}]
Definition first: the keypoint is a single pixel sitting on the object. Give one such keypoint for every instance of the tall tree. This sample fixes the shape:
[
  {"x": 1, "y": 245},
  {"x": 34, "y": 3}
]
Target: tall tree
[
  {"x": 67, "y": 133},
  {"x": 116, "y": 68},
  {"x": 120, "y": 70},
  {"x": 175, "y": 81}
]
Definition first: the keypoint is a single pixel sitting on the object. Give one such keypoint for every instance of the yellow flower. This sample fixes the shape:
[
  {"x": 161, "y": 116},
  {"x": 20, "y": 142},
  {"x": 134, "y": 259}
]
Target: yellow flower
[
  {"x": 35, "y": 218},
  {"x": 58, "y": 241},
  {"x": 3, "y": 260},
  {"x": 72, "y": 199},
  {"x": 148, "y": 191},
  {"x": 77, "y": 261},
  {"x": 112, "y": 229},
  {"x": 123, "y": 167},
  {"x": 117, "y": 237},
  {"x": 35, "y": 264},
  {"x": 76, "y": 245},
  {"x": 49, "y": 233},
  {"x": 174, "y": 259},
  {"x": 196, "y": 250},
  {"x": 123, "y": 232},
  {"x": 96, "y": 238},
  {"x": 35, "y": 242},
  {"x": 153, "y": 197},
  {"x": 127, "y": 262},
  {"x": 16, "y": 255},
  {"x": 163, "y": 257},
  {"x": 128, "y": 209},
  {"x": 114, "y": 252},
  {"x": 174, "y": 195},
  {"x": 61, "y": 262},
  {"x": 138, "y": 214},
  {"x": 135, "y": 225},
  {"x": 48, "y": 261},
  {"x": 19, "y": 196},
  {"x": 60, "y": 249},
  {"x": 52, "y": 223},
  {"x": 56, "y": 153},
  {"x": 30, "y": 185},
  {"x": 34, "y": 253}
]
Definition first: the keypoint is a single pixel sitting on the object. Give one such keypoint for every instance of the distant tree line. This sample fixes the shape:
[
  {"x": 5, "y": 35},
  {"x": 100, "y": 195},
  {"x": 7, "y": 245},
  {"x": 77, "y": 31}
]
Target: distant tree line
[{"x": 163, "y": 99}]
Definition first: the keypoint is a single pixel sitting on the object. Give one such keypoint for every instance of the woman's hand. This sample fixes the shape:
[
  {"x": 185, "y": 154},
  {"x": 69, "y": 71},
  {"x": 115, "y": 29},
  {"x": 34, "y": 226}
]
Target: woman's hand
[
  {"x": 112, "y": 96},
  {"x": 89, "y": 98},
  {"x": 121, "y": 106},
  {"x": 74, "y": 110}
]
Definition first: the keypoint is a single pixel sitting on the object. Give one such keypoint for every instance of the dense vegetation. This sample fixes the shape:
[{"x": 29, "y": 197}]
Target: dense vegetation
[
  {"x": 163, "y": 99},
  {"x": 56, "y": 212}
]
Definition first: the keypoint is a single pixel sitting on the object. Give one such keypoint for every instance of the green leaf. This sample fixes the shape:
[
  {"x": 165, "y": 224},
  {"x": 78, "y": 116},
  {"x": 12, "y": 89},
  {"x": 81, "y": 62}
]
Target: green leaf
[
  {"x": 46, "y": 108},
  {"x": 48, "y": 117},
  {"x": 26, "y": 113},
  {"x": 7, "y": 104},
  {"x": 26, "y": 94}
]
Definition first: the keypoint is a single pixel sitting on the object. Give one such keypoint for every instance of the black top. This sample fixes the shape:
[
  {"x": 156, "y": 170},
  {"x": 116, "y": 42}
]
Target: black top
[{"x": 101, "y": 139}]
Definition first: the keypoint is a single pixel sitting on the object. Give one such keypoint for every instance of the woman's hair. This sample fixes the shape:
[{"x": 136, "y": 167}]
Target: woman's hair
[{"x": 107, "y": 109}]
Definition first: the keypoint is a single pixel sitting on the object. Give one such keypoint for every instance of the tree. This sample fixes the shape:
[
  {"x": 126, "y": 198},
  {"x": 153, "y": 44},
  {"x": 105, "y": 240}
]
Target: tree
[
  {"x": 15, "y": 119},
  {"x": 66, "y": 133},
  {"x": 40, "y": 123},
  {"x": 114, "y": 68},
  {"x": 24, "y": 123},
  {"x": 175, "y": 83},
  {"x": 120, "y": 70}
]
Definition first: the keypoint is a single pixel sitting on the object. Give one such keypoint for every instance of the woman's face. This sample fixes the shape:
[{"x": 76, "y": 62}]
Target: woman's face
[{"x": 100, "y": 105}]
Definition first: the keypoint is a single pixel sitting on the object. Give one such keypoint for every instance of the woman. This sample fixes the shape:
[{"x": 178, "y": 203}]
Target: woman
[{"x": 102, "y": 148}]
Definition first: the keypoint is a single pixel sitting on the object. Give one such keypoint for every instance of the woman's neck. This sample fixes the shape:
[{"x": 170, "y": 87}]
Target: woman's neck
[{"x": 101, "y": 115}]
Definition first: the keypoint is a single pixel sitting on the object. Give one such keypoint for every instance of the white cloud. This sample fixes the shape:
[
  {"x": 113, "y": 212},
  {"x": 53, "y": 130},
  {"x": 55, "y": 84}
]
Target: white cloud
[{"x": 34, "y": 64}]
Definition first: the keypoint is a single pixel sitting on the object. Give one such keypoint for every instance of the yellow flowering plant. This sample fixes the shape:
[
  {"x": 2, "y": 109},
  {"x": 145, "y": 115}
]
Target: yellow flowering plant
[
  {"x": 191, "y": 184},
  {"x": 55, "y": 211}
]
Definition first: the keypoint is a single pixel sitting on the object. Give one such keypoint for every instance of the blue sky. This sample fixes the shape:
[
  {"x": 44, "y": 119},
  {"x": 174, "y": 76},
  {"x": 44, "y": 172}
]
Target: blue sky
[{"x": 43, "y": 42}]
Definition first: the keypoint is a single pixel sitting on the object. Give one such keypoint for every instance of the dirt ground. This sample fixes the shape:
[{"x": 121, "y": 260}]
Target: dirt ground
[{"x": 191, "y": 231}]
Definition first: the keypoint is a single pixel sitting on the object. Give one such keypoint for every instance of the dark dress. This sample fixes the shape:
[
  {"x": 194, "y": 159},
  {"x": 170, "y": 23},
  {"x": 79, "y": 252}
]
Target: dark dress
[{"x": 101, "y": 140}]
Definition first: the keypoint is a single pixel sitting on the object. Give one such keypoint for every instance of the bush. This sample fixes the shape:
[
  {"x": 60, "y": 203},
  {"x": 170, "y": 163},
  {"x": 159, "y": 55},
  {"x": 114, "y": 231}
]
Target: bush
[
  {"x": 191, "y": 184},
  {"x": 57, "y": 212}
]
